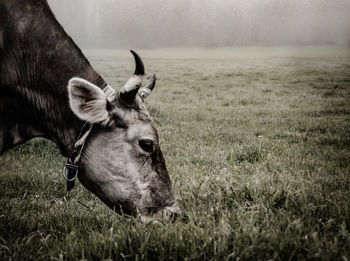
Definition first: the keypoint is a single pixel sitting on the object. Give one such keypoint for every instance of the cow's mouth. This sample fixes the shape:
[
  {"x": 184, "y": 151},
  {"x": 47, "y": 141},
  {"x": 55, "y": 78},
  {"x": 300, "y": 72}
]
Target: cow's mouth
[{"x": 168, "y": 213}]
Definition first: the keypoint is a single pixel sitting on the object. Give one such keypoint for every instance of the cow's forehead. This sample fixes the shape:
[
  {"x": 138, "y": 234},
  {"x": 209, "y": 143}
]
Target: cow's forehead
[
  {"x": 142, "y": 130},
  {"x": 143, "y": 121},
  {"x": 136, "y": 115}
]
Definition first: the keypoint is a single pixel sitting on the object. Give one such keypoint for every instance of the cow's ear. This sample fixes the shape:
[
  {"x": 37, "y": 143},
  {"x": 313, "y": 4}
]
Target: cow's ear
[{"x": 88, "y": 101}]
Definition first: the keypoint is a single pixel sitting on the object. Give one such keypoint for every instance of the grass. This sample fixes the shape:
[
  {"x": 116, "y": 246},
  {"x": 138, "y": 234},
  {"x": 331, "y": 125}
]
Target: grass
[{"x": 258, "y": 152}]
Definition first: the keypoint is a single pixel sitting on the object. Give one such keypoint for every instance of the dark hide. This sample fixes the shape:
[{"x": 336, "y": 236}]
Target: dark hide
[{"x": 37, "y": 59}]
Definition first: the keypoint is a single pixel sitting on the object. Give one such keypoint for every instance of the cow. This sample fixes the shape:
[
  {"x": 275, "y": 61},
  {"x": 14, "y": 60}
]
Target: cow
[{"x": 49, "y": 89}]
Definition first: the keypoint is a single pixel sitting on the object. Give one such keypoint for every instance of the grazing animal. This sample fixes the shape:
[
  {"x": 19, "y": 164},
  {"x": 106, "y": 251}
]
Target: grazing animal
[{"x": 49, "y": 89}]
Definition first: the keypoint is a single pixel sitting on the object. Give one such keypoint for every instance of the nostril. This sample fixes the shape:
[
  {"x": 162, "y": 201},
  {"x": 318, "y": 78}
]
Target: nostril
[{"x": 174, "y": 216}]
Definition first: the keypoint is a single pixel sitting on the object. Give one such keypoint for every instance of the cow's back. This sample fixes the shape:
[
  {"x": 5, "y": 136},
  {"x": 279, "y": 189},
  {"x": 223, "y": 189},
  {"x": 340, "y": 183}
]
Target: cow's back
[{"x": 37, "y": 58}]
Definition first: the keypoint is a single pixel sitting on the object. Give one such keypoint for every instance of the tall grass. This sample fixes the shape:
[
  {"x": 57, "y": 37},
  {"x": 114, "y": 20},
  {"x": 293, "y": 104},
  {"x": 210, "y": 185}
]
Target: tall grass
[{"x": 258, "y": 152}]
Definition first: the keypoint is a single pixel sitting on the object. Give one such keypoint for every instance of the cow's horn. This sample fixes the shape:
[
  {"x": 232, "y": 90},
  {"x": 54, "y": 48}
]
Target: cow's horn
[
  {"x": 139, "y": 69},
  {"x": 130, "y": 89},
  {"x": 146, "y": 90}
]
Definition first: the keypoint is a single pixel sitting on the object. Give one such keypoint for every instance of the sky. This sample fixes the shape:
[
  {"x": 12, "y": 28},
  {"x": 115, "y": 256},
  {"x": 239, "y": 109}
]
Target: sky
[{"x": 146, "y": 24}]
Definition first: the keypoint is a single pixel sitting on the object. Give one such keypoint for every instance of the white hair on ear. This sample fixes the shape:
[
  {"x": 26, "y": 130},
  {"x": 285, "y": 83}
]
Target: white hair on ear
[
  {"x": 110, "y": 93},
  {"x": 87, "y": 101}
]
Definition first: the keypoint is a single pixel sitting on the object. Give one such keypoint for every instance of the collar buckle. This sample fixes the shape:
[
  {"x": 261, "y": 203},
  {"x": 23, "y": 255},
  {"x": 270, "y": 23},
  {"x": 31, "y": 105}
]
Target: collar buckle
[{"x": 70, "y": 171}]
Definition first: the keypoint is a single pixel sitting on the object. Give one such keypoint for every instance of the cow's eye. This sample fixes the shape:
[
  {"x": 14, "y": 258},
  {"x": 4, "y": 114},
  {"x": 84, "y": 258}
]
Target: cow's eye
[{"x": 146, "y": 145}]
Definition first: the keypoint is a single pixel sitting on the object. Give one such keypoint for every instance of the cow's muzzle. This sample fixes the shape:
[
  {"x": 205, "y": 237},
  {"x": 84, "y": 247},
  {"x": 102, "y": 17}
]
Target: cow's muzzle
[{"x": 168, "y": 213}]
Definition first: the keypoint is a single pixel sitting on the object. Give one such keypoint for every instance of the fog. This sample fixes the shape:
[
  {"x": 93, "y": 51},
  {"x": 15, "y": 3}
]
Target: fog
[{"x": 204, "y": 23}]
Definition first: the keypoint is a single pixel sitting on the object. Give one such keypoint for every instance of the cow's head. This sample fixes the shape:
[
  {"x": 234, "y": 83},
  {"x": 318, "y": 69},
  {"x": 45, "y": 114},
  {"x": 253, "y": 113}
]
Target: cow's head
[{"x": 122, "y": 162}]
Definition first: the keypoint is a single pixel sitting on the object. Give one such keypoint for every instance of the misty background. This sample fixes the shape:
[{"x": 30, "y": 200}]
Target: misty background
[{"x": 203, "y": 23}]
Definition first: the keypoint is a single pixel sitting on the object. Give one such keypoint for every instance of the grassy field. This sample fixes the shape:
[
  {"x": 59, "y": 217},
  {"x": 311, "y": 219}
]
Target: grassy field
[{"x": 257, "y": 142}]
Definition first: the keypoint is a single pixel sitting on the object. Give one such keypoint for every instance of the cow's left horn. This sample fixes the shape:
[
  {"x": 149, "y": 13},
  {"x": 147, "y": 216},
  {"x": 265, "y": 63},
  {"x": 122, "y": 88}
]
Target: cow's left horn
[{"x": 130, "y": 89}]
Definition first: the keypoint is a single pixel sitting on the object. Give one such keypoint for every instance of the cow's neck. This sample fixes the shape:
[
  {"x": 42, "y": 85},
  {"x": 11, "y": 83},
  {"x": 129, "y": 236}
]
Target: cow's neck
[{"x": 43, "y": 58}]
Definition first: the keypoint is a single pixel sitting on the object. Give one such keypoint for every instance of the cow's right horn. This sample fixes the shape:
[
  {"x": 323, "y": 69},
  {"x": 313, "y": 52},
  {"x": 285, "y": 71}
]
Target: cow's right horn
[
  {"x": 130, "y": 89},
  {"x": 146, "y": 90}
]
